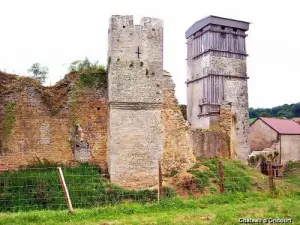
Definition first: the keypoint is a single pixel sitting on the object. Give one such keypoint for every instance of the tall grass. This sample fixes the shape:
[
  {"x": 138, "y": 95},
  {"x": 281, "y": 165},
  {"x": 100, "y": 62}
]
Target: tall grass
[{"x": 236, "y": 175}]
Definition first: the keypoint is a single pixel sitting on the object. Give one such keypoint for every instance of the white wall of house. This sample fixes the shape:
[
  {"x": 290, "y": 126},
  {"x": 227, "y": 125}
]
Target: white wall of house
[{"x": 290, "y": 148}]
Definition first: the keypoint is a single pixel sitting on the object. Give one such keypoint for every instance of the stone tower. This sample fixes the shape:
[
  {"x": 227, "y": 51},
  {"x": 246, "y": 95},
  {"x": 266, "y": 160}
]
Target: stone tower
[
  {"x": 135, "y": 139},
  {"x": 217, "y": 78}
]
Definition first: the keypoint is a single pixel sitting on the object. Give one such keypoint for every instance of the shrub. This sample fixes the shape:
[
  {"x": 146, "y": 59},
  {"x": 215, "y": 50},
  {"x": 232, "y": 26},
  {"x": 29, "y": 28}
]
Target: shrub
[{"x": 90, "y": 74}]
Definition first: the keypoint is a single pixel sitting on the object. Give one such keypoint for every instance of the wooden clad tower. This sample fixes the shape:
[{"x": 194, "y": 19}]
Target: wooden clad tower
[{"x": 217, "y": 75}]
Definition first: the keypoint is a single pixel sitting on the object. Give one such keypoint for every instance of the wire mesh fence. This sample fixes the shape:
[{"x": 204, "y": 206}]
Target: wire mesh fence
[{"x": 39, "y": 188}]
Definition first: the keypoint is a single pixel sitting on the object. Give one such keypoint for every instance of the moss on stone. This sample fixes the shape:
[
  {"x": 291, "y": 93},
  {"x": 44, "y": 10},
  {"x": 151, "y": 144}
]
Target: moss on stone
[
  {"x": 8, "y": 124},
  {"x": 9, "y": 119}
]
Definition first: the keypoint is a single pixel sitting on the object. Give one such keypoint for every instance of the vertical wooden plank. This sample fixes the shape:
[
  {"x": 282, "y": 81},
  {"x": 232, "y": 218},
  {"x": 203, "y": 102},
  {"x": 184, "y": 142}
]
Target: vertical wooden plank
[
  {"x": 159, "y": 191},
  {"x": 65, "y": 189},
  {"x": 271, "y": 175},
  {"x": 221, "y": 177}
]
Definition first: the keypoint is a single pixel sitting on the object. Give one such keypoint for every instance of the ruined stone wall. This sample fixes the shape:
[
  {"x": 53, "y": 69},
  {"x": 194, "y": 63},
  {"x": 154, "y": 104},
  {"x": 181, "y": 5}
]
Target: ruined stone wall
[
  {"x": 228, "y": 127},
  {"x": 177, "y": 154},
  {"x": 290, "y": 148},
  {"x": 135, "y": 139},
  {"x": 210, "y": 144},
  {"x": 261, "y": 136},
  {"x": 43, "y": 124}
]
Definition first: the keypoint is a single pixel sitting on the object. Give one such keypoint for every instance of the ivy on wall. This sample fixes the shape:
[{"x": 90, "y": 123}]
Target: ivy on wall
[
  {"x": 9, "y": 119},
  {"x": 8, "y": 123}
]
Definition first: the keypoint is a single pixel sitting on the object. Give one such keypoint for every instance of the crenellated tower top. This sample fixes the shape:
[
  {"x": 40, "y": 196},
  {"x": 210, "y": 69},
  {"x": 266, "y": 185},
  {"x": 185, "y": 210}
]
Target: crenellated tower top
[{"x": 135, "y": 55}]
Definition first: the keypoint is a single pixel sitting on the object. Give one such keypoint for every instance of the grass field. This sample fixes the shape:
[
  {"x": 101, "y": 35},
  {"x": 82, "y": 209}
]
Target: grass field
[{"x": 214, "y": 209}]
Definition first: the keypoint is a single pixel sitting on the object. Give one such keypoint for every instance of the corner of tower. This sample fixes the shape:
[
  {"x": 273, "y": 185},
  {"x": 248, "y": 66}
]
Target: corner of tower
[{"x": 117, "y": 22}]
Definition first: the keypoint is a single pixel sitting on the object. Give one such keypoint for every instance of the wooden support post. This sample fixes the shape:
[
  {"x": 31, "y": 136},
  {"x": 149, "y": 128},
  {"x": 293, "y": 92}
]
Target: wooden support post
[
  {"x": 271, "y": 175},
  {"x": 221, "y": 178},
  {"x": 159, "y": 191},
  {"x": 65, "y": 189}
]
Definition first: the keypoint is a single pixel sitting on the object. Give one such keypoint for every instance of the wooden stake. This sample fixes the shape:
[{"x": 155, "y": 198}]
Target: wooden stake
[
  {"x": 270, "y": 174},
  {"x": 65, "y": 189},
  {"x": 221, "y": 178},
  {"x": 159, "y": 191}
]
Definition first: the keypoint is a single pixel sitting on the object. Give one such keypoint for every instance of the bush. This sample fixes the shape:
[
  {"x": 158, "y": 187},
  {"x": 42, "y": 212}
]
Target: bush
[{"x": 90, "y": 74}]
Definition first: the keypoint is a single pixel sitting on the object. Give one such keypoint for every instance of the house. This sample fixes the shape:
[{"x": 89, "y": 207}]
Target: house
[{"x": 282, "y": 135}]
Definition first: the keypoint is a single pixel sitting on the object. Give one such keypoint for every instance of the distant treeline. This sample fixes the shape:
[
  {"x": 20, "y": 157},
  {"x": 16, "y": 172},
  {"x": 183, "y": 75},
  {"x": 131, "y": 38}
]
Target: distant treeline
[{"x": 286, "y": 110}]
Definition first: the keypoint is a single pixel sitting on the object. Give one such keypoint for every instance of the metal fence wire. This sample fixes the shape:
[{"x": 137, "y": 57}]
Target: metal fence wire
[{"x": 36, "y": 188}]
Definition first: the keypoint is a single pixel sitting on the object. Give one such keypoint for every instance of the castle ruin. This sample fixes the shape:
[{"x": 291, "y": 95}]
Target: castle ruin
[{"x": 133, "y": 122}]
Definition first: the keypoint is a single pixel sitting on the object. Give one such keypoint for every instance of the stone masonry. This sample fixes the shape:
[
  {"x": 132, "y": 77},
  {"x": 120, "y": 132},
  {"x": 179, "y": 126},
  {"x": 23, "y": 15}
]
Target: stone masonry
[
  {"x": 135, "y": 140},
  {"x": 39, "y": 133}
]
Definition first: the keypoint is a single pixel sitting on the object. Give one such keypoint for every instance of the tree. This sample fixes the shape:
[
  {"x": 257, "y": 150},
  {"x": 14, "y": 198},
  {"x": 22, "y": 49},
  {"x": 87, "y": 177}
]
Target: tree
[
  {"x": 296, "y": 109},
  {"x": 265, "y": 114},
  {"x": 252, "y": 113},
  {"x": 39, "y": 73}
]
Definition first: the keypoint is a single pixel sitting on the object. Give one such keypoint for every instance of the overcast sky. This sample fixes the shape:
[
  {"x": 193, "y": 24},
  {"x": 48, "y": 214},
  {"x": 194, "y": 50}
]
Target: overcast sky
[{"x": 56, "y": 33}]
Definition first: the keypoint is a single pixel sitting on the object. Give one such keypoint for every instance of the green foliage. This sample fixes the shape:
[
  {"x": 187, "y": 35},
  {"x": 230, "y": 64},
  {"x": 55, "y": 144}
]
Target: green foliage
[
  {"x": 183, "y": 110},
  {"x": 90, "y": 74},
  {"x": 74, "y": 93},
  {"x": 54, "y": 111},
  {"x": 283, "y": 111},
  {"x": 265, "y": 114},
  {"x": 236, "y": 176},
  {"x": 39, "y": 72},
  {"x": 9, "y": 118},
  {"x": 172, "y": 173},
  {"x": 292, "y": 165}
]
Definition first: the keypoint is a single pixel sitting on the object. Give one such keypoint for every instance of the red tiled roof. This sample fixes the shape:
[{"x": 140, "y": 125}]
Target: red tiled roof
[{"x": 282, "y": 126}]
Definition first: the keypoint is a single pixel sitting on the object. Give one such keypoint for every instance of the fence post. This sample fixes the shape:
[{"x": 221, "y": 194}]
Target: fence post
[
  {"x": 65, "y": 189},
  {"x": 271, "y": 175},
  {"x": 221, "y": 178},
  {"x": 159, "y": 191}
]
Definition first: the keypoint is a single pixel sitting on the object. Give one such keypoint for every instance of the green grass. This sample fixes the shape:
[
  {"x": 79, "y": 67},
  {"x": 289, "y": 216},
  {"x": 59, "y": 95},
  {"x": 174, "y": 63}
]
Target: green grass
[
  {"x": 251, "y": 120},
  {"x": 236, "y": 175},
  {"x": 35, "y": 193},
  {"x": 292, "y": 173},
  {"x": 214, "y": 209}
]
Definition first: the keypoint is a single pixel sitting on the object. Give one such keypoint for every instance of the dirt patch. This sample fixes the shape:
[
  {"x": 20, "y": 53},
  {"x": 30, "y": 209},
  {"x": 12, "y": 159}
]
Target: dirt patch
[{"x": 184, "y": 184}]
